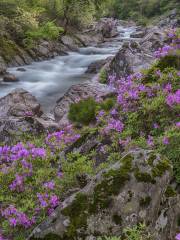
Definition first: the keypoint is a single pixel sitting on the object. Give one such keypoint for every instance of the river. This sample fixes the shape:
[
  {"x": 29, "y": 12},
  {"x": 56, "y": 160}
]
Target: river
[{"x": 49, "y": 80}]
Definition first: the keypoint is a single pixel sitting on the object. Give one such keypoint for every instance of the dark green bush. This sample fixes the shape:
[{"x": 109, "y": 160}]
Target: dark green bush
[
  {"x": 83, "y": 112},
  {"x": 108, "y": 104},
  {"x": 103, "y": 76}
]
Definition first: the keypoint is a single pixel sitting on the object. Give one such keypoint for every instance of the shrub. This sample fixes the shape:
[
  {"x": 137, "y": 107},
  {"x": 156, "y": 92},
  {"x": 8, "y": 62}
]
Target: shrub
[
  {"x": 83, "y": 112},
  {"x": 103, "y": 76},
  {"x": 48, "y": 31},
  {"x": 108, "y": 104},
  {"x": 138, "y": 232}
]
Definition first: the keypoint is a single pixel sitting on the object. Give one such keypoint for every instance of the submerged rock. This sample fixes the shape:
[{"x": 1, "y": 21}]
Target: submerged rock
[
  {"x": 10, "y": 78},
  {"x": 129, "y": 192}
]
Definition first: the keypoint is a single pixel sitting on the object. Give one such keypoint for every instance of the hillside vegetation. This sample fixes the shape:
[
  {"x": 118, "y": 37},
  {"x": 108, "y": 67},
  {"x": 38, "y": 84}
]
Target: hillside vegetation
[{"x": 142, "y": 113}]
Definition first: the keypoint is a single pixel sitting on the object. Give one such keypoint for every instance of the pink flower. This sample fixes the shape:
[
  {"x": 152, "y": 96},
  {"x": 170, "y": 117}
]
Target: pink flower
[
  {"x": 155, "y": 126},
  {"x": 178, "y": 236},
  {"x": 150, "y": 141},
  {"x": 49, "y": 185},
  {"x": 165, "y": 140},
  {"x": 13, "y": 222},
  {"x": 178, "y": 124}
]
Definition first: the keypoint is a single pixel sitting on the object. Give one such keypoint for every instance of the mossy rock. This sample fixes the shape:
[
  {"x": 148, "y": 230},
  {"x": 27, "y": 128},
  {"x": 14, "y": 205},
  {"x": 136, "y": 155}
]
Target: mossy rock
[{"x": 8, "y": 49}]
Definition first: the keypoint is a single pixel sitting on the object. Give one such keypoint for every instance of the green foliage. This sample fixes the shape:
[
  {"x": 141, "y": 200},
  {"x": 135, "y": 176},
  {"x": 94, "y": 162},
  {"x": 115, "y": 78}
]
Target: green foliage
[
  {"x": 109, "y": 238},
  {"x": 143, "y": 10},
  {"x": 103, "y": 77},
  {"x": 8, "y": 49},
  {"x": 48, "y": 31},
  {"x": 108, "y": 103},
  {"x": 83, "y": 112},
  {"x": 170, "y": 192},
  {"x": 73, "y": 165},
  {"x": 138, "y": 232}
]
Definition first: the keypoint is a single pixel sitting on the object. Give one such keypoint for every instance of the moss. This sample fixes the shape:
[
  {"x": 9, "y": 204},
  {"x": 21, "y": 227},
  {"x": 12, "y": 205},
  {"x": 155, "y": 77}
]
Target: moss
[
  {"x": 113, "y": 180},
  {"x": 83, "y": 112},
  {"x": 130, "y": 195},
  {"x": 117, "y": 219},
  {"x": 49, "y": 237},
  {"x": 178, "y": 221},
  {"x": 103, "y": 76},
  {"x": 8, "y": 49},
  {"x": 170, "y": 192},
  {"x": 143, "y": 177},
  {"x": 151, "y": 159},
  {"x": 144, "y": 202},
  {"x": 108, "y": 103},
  {"x": 160, "y": 168},
  {"x": 169, "y": 61},
  {"x": 78, "y": 213}
]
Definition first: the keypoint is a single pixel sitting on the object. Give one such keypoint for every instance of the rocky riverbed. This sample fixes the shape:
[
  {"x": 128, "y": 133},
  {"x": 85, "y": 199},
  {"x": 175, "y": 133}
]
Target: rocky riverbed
[
  {"x": 138, "y": 186},
  {"x": 129, "y": 51}
]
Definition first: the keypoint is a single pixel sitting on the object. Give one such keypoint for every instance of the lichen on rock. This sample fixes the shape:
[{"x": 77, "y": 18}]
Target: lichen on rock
[{"x": 113, "y": 200}]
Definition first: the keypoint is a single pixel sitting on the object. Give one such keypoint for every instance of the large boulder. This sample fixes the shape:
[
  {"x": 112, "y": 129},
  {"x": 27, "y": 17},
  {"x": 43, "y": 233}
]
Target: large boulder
[
  {"x": 19, "y": 103},
  {"x": 130, "y": 58},
  {"x": 21, "y": 113},
  {"x": 133, "y": 190},
  {"x": 154, "y": 39},
  {"x": 138, "y": 54},
  {"x": 81, "y": 91},
  {"x": 107, "y": 27}
]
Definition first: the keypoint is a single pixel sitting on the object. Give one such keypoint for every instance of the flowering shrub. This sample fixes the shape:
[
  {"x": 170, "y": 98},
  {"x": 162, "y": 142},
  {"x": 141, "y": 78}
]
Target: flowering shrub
[
  {"x": 144, "y": 112},
  {"x": 147, "y": 110},
  {"x": 32, "y": 179}
]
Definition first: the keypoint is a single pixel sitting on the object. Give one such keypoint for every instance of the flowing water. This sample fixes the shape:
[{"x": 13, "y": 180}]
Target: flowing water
[{"x": 49, "y": 80}]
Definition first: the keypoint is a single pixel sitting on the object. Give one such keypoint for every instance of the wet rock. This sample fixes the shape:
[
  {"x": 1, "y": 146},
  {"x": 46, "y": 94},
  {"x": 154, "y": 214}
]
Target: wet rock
[
  {"x": 10, "y": 78},
  {"x": 96, "y": 66},
  {"x": 130, "y": 191},
  {"x": 69, "y": 42},
  {"x": 21, "y": 69},
  {"x": 139, "y": 34}
]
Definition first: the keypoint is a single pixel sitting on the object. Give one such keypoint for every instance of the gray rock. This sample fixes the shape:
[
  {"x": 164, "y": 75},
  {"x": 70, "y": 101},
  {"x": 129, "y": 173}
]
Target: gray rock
[
  {"x": 139, "y": 34},
  {"x": 107, "y": 27},
  {"x": 19, "y": 113},
  {"x": 130, "y": 58},
  {"x": 21, "y": 69},
  {"x": 18, "y": 103},
  {"x": 96, "y": 66},
  {"x": 81, "y": 91},
  {"x": 117, "y": 198}
]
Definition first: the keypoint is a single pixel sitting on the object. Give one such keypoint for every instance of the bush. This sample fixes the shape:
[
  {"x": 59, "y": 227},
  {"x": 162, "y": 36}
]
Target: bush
[
  {"x": 108, "y": 104},
  {"x": 103, "y": 76},
  {"x": 83, "y": 112},
  {"x": 48, "y": 31}
]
